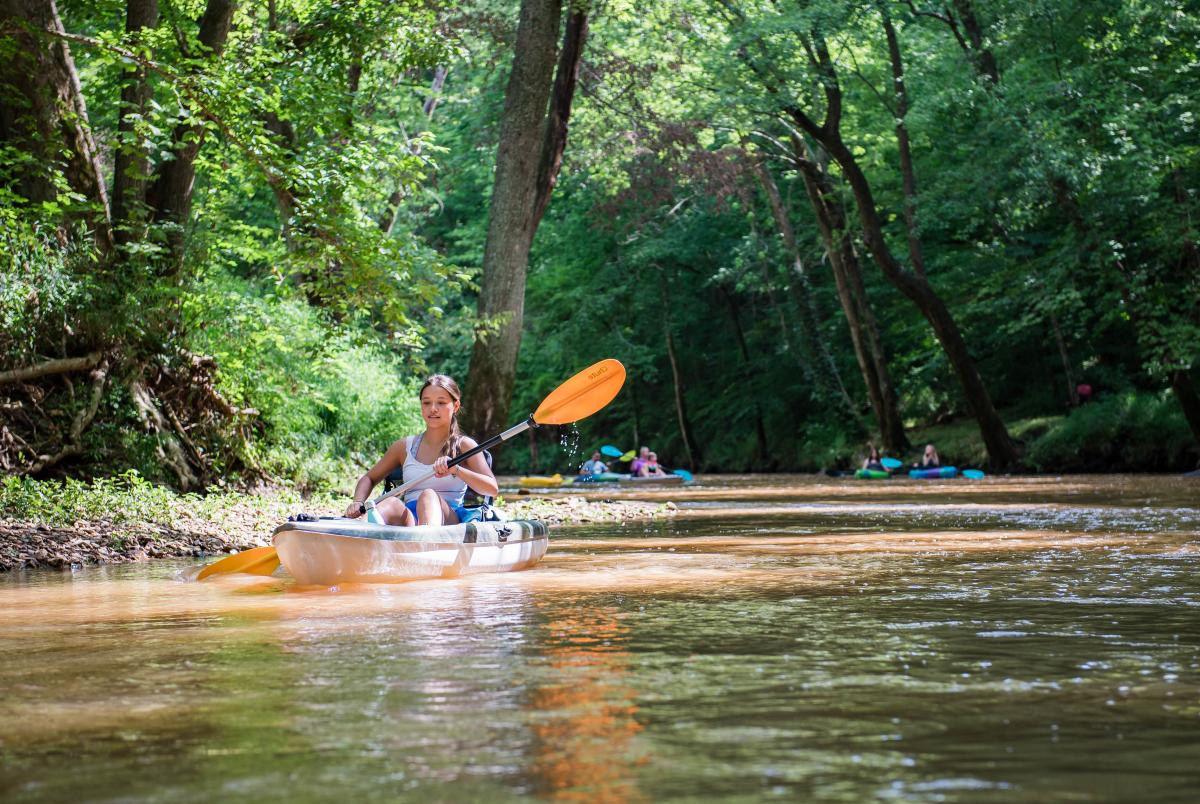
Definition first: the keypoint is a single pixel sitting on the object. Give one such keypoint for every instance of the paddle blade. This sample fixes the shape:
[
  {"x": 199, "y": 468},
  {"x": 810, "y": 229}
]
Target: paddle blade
[
  {"x": 628, "y": 456},
  {"x": 610, "y": 451},
  {"x": 257, "y": 561},
  {"x": 973, "y": 474},
  {"x": 684, "y": 473},
  {"x": 891, "y": 463},
  {"x": 582, "y": 395}
]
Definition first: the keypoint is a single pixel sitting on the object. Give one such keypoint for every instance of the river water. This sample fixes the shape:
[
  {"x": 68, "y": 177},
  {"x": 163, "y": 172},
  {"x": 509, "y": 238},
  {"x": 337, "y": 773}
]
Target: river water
[{"x": 1028, "y": 639}]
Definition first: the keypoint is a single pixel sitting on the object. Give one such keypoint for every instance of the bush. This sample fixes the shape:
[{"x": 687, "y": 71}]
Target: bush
[
  {"x": 330, "y": 400},
  {"x": 1122, "y": 432}
]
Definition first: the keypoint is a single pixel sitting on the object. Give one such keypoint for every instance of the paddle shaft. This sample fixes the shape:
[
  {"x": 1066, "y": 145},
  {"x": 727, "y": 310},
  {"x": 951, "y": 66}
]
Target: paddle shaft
[{"x": 491, "y": 442}]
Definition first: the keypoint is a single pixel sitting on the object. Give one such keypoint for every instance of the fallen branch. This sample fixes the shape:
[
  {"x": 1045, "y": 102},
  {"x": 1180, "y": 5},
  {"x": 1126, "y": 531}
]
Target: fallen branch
[{"x": 60, "y": 366}]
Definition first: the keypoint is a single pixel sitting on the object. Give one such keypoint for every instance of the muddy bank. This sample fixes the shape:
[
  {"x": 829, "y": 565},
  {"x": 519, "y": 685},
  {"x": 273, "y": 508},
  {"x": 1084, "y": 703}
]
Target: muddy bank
[{"x": 184, "y": 531}]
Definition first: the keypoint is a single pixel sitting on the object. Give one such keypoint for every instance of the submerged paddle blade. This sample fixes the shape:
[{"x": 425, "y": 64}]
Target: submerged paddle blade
[
  {"x": 583, "y": 394},
  {"x": 891, "y": 463},
  {"x": 256, "y": 561},
  {"x": 973, "y": 474},
  {"x": 610, "y": 451}
]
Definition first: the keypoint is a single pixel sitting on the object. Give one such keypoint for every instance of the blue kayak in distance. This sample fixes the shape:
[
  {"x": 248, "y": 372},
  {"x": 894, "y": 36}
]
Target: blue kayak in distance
[{"x": 933, "y": 473}]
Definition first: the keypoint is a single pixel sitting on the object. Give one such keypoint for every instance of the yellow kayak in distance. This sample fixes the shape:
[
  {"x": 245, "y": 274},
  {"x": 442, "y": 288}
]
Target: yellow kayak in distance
[{"x": 541, "y": 482}]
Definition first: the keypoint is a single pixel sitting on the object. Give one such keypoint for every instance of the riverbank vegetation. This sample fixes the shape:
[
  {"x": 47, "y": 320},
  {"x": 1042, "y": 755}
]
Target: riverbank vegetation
[{"x": 233, "y": 237}]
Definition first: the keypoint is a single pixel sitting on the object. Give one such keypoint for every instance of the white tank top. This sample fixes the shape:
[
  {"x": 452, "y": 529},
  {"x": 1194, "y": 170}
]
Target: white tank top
[{"x": 449, "y": 488}]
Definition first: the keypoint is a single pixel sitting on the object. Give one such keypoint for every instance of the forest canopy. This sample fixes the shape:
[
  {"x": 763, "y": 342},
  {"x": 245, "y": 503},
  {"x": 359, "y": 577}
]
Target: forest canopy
[{"x": 234, "y": 237}]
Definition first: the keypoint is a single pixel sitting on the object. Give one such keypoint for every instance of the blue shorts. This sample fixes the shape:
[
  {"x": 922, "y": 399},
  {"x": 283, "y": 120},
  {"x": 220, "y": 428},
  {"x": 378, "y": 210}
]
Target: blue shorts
[{"x": 464, "y": 514}]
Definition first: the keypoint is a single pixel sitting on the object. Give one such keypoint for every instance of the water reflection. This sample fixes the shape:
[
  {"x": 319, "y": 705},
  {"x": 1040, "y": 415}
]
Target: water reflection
[
  {"x": 1016, "y": 639},
  {"x": 582, "y": 717}
]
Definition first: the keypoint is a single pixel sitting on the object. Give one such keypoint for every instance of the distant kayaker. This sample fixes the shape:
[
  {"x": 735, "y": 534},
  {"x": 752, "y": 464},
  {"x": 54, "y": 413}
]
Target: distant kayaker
[
  {"x": 873, "y": 460},
  {"x": 651, "y": 468},
  {"x": 635, "y": 468},
  {"x": 439, "y": 499},
  {"x": 930, "y": 459},
  {"x": 595, "y": 466}
]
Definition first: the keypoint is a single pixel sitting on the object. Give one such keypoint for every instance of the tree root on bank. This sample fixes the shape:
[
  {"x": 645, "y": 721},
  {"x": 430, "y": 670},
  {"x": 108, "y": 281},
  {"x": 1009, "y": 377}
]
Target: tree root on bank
[
  {"x": 82, "y": 420},
  {"x": 168, "y": 448},
  {"x": 196, "y": 432}
]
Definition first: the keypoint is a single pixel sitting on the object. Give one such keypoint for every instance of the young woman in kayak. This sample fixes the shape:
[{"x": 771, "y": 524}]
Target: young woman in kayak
[
  {"x": 873, "y": 461},
  {"x": 930, "y": 459},
  {"x": 438, "y": 500}
]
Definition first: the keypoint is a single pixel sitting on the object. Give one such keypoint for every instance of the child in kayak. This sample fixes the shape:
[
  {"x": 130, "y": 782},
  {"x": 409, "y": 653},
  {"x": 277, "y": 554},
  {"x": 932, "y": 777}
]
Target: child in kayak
[
  {"x": 651, "y": 468},
  {"x": 439, "y": 499}
]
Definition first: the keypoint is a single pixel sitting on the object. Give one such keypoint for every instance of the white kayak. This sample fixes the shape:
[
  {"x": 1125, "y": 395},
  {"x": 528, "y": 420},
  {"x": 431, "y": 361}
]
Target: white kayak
[{"x": 327, "y": 552}]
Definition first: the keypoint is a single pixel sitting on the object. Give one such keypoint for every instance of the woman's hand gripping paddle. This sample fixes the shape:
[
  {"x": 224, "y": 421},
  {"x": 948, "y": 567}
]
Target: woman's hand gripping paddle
[{"x": 577, "y": 398}]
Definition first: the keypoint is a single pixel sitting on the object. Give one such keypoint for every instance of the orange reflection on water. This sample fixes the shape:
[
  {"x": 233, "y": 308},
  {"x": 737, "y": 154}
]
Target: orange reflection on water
[{"x": 583, "y": 721}]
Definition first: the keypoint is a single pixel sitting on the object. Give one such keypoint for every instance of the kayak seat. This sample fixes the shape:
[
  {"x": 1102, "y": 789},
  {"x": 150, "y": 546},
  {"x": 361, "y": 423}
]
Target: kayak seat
[{"x": 472, "y": 500}]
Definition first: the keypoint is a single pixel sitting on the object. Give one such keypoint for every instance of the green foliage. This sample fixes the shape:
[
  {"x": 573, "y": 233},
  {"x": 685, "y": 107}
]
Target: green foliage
[
  {"x": 127, "y": 500},
  {"x": 122, "y": 498},
  {"x": 1057, "y": 203},
  {"x": 41, "y": 284},
  {"x": 1118, "y": 432},
  {"x": 329, "y": 400}
]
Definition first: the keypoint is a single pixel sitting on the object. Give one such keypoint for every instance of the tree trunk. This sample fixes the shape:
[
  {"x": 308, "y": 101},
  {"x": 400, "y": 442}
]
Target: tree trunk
[
  {"x": 847, "y": 273},
  {"x": 1189, "y": 400},
  {"x": 527, "y": 161},
  {"x": 170, "y": 194},
  {"x": 762, "y": 455},
  {"x": 685, "y": 427},
  {"x": 908, "y": 173},
  {"x": 800, "y": 288},
  {"x": 1002, "y": 453},
  {"x": 43, "y": 114},
  {"x": 984, "y": 59},
  {"x": 387, "y": 220},
  {"x": 1064, "y": 355},
  {"x": 131, "y": 167}
]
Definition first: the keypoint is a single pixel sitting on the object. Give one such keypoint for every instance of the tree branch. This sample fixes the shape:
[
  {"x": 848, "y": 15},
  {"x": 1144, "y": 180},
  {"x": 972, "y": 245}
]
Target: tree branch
[{"x": 50, "y": 367}]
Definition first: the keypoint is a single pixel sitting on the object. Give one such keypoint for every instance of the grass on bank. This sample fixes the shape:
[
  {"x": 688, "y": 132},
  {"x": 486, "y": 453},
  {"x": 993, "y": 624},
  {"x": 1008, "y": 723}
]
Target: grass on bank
[{"x": 129, "y": 499}]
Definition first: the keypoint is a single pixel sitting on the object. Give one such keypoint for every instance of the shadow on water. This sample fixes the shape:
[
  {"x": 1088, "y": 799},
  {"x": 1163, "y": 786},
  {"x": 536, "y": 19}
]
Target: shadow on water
[{"x": 1014, "y": 639}]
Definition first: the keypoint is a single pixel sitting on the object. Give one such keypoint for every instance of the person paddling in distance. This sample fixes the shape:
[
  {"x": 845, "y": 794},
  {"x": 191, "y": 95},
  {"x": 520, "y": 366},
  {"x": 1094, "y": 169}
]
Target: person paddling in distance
[
  {"x": 595, "y": 466},
  {"x": 643, "y": 456},
  {"x": 439, "y": 499}
]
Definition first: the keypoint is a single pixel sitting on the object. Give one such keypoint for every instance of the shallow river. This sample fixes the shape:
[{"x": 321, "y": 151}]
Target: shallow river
[{"x": 1035, "y": 639}]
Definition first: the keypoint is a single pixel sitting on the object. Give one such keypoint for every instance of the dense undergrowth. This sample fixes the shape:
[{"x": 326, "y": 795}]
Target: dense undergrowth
[{"x": 330, "y": 398}]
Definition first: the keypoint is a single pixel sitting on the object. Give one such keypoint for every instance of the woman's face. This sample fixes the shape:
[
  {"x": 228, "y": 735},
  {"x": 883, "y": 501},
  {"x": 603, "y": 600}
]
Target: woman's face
[
  {"x": 929, "y": 451},
  {"x": 437, "y": 406}
]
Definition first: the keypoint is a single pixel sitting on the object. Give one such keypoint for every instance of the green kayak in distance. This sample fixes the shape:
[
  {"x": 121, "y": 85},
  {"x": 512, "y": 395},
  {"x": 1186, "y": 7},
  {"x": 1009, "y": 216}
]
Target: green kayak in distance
[{"x": 872, "y": 474}]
